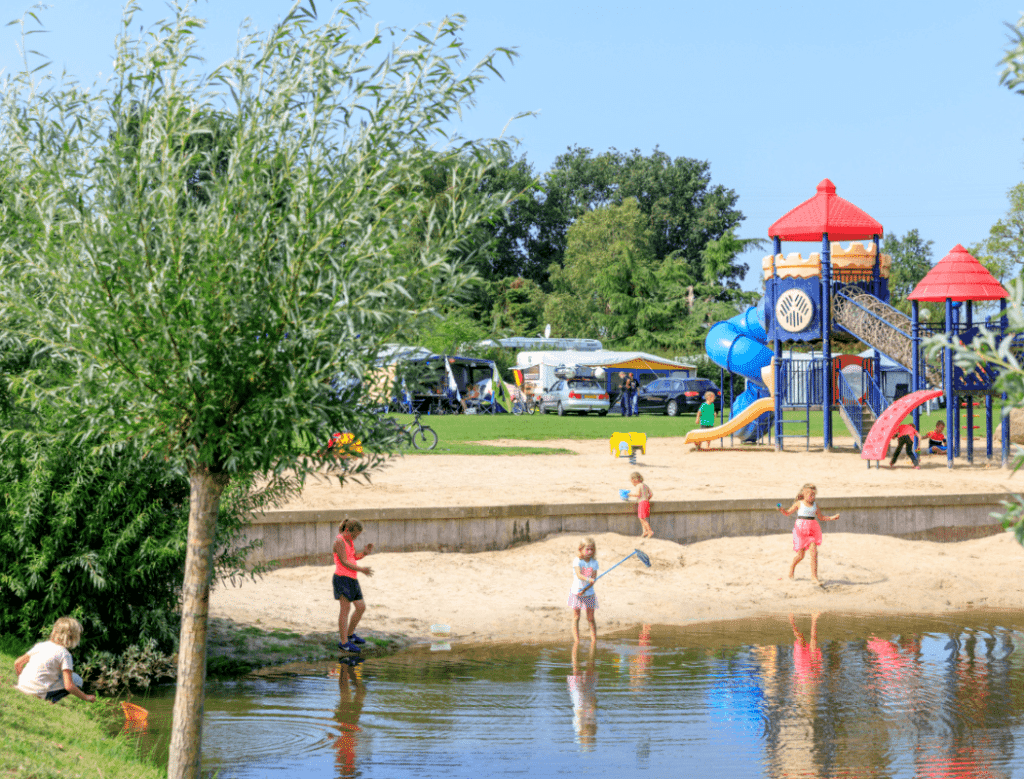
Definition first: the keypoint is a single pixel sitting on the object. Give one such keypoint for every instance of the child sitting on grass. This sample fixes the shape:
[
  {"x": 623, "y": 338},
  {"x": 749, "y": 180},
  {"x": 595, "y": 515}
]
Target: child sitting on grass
[{"x": 46, "y": 669}]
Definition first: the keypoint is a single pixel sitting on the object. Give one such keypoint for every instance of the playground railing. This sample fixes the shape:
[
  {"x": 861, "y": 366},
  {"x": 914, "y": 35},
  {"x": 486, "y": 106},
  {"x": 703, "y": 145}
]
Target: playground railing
[
  {"x": 873, "y": 395},
  {"x": 892, "y": 318},
  {"x": 801, "y": 383},
  {"x": 850, "y": 402},
  {"x": 862, "y": 278}
]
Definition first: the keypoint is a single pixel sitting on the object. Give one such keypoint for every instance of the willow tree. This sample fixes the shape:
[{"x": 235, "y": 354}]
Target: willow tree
[{"x": 210, "y": 250}]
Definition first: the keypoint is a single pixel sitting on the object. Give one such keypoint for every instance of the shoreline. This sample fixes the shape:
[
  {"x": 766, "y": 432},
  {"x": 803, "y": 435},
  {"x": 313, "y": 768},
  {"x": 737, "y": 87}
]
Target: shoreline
[{"x": 519, "y": 594}]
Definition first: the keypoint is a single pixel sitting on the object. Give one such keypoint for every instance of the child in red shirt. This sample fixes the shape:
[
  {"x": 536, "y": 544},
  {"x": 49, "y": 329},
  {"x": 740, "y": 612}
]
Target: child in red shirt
[{"x": 905, "y": 435}]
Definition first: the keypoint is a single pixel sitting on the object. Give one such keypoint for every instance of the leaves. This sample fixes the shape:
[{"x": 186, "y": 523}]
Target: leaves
[{"x": 204, "y": 253}]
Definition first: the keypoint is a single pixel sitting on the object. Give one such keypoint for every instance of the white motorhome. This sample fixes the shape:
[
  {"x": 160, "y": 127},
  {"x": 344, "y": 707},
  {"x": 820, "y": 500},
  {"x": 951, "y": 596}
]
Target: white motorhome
[{"x": 538, "y": 367}]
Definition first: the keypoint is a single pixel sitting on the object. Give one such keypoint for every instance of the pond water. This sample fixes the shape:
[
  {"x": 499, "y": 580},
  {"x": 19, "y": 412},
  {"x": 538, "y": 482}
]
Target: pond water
[{"x": 836, "y": 696}]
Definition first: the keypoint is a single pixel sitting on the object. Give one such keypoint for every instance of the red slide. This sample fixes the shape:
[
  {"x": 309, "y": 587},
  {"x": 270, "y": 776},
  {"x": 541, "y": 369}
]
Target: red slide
[{"x": 876, "y": 445}]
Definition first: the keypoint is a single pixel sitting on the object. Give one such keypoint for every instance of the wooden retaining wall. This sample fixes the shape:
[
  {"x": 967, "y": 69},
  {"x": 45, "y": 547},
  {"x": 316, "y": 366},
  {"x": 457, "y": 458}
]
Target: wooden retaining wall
[{"x": 306, "y": 537}]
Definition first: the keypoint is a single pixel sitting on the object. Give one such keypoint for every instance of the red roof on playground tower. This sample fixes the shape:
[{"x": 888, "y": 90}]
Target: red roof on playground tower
[
  {"x": 958, "y": 276},
  {"x": 826, "y": 212}
]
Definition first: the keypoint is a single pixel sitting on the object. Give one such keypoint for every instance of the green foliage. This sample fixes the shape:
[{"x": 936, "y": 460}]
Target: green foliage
[
  {"x": 990, "y": 351},
  {"x": 684, "y": 210},
  {"x": 1012, "y": 76},
  {"x": 607, "y": 273},
  {"x": 911, "y": 261},
  {"x": 100, "y": 537},
  {"x": 137, "y": 667},
  {"x": 1002, "y": 252},
  {"x": 517, "y": 308},
  {"x": 212, "y": 248},
  {"x": 455, "y": 333}
]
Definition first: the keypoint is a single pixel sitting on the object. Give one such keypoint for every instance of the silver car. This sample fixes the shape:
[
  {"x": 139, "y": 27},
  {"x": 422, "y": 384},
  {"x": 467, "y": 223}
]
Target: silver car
[{"x": 583, "y": 396}]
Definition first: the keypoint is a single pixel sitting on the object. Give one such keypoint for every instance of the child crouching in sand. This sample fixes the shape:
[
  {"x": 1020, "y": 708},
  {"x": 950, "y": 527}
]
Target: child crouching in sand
[
  {"x": 806, "y": 530},
  {"x": 581, "y": 594}
]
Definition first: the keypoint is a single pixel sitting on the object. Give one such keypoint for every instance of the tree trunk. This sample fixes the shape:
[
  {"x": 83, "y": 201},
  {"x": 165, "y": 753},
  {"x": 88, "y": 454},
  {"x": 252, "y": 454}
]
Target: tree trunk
[{"x": 186, "y": 729}]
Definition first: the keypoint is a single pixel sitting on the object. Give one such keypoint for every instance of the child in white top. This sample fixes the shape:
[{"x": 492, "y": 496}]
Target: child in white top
[
  {"x": 581, "y": 594},
  {"x": 46, "y": 669},
  {"x": 806, "y": 530}
]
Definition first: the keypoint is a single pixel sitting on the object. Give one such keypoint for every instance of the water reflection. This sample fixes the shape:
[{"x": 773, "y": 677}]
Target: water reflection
[
  {"x": 351, "y": 694},
  {"x": 808, "y": 695},
  {"x": 583, "y": 693}
]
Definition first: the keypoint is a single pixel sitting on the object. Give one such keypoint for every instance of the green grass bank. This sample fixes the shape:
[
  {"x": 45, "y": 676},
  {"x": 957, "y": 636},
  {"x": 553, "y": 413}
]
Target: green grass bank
[{"x": 39, "y": 740}]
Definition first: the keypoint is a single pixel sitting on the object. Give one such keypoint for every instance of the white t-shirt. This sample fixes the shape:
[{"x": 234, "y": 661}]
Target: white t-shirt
[
  {"x": 44, "y": 672},
  {"x": 583, "y": 565}
]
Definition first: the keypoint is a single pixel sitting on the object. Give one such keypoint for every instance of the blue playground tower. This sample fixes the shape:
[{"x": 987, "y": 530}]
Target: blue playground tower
[{"x": 847, "y": 290}]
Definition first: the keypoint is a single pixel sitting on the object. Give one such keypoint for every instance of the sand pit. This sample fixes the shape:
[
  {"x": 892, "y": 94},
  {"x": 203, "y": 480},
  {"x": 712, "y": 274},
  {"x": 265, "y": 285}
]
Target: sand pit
[
  {"x": 674, "y": 472},
  {"x": 520, "y": 593}
]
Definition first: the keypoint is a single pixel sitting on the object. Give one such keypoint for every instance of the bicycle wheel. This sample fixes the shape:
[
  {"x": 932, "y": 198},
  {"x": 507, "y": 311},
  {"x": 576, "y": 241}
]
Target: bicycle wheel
[
  {"x": 424, "y": 438},
  {"x": 517, "y": 407}
]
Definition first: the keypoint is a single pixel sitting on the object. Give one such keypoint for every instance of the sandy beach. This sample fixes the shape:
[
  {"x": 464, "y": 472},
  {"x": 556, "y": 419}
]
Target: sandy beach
[{"x": 520, "y": 593}]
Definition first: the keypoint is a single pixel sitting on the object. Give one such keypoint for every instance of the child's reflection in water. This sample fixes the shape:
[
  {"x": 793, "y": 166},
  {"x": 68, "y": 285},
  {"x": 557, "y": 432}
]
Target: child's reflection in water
[
  {"x": 351, "y": 691},
  {"x": 583, "y": 691}
]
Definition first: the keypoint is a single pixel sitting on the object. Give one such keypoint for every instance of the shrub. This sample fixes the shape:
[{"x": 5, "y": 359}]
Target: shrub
[{"x": 101, "y": 537}]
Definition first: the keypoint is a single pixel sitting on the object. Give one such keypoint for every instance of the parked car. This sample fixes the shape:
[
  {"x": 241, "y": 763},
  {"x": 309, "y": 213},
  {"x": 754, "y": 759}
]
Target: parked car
[
  {"x": 675, "y": 396},
  {"x": 583, "y": 396}
]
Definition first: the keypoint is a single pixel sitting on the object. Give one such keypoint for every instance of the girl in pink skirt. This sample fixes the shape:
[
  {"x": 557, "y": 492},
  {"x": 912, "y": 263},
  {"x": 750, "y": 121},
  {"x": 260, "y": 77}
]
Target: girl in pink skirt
[
  {"x": 581, "y": 594},
  {"x": 806, "y": 530}
]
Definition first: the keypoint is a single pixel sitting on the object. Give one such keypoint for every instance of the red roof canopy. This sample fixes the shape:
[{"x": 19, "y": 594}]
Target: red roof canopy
[
  {"x": 958, "y": 276},
  {"x": 826, "y": 212}
]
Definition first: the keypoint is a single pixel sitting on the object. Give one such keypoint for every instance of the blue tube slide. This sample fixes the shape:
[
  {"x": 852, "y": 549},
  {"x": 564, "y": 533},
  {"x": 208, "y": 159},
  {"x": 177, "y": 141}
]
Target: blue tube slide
[{"x": 740, "y": 346}]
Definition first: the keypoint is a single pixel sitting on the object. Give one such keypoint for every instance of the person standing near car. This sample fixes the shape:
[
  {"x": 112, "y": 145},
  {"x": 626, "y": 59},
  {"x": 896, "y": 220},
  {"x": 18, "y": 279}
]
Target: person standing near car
[
  {"x": 706, "y": 414},
  {"x": 626, "y": 398}
]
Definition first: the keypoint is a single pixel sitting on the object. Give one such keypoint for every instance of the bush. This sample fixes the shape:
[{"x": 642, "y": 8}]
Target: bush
[
  {"x": 136, "y": 667},
  {"x": 101, "y": 537}
]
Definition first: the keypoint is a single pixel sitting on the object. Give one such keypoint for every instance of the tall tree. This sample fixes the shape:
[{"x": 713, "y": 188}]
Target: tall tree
[
  {"x": 608, "y": 272},
  {"x": 518, "y": 307},
  {"x": 911, "y": 259},
  {"x": 1002, "y": 252},
  {"x": 206, "y": 327},
  {"x": 685, "y": 210}
]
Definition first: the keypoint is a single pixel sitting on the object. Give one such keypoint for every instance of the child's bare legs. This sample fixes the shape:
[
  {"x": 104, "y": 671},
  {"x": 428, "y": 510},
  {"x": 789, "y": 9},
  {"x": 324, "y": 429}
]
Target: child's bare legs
[
  {"x": 797, "y": 559},
  {"x": 593, "y": 627},
  {"x": 576, "y": 626},
  {"x": 346, "y": 628},
  {"x": 343, "y": 604},
  {"x": 359, "y": 608},
  {"x": 814, "y": 562},
  {"x": 648, "y": 530}
]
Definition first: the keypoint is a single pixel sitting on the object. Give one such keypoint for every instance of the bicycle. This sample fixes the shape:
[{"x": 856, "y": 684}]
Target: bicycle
[
  {"x": 419, "y": 435},
  {"x": 522, "y": 403}
]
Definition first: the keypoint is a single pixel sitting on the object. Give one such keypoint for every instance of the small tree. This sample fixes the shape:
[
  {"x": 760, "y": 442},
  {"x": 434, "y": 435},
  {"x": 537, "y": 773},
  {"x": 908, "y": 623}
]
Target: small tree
[{"x": 210, "y": 250}]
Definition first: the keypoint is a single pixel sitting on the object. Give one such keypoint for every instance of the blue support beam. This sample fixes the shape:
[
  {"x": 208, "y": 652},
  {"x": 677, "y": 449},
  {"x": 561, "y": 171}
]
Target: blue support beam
[
  {"x": 826, "y": 339},
  {"x": 952, "y": 422}
]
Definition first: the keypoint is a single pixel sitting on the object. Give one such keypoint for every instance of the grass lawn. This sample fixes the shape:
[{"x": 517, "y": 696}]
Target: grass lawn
[
  {"x": 468, "y": 434},
  {"x": 70, "y": 739}
]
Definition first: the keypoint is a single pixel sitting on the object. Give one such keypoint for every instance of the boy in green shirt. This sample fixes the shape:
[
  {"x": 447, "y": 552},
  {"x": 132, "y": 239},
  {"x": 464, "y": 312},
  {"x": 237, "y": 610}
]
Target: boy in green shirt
[{"x": 706, "y": 414}]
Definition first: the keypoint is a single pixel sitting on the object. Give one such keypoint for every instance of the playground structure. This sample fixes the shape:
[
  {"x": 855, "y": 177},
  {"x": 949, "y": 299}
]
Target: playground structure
[{"x": 809, "y": 299}]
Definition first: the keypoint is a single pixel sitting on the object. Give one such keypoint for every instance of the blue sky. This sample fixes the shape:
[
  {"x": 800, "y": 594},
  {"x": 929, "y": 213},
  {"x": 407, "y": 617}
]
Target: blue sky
[{"x": 898, "y": 103}]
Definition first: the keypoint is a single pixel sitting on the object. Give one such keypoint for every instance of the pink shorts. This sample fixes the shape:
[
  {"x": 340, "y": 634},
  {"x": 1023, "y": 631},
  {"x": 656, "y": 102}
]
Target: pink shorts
[
  {"x": 643, "y": 509},
  {"x": 805, "y": 533},
  {"x": 583, "y": 601}
]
